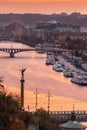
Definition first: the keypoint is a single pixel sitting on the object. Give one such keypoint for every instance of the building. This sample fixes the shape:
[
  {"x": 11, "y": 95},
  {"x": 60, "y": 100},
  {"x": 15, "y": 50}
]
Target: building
[
  {"x": 73, "y": 124},
  {"x": 52, "y": 31},
  {"x": 2, "y": 30},
  {"x": 56, "y": 25},
  {"x": 15, "y": 29},
  {"x": 56, "y": 35}
]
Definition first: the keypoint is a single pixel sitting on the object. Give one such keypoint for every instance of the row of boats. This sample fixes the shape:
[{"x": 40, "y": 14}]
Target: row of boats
[{"x": 77, "y": 77}]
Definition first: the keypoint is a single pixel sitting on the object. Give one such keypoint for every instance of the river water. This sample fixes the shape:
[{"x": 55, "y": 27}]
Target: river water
[{"x": 37, "y": 75}]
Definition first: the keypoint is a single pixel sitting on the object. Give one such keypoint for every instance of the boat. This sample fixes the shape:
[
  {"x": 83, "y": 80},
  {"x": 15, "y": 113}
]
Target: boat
[
  {"x": 50, "y": 61},
  {"x": 38, "y": 47},
  {"x": 67, "y": 73},
  {"x": 58, "y": 68},
  {"x": 65, "y": 67},
  {"x": 50, "y": 55},
  {"x": 79, "y": 79},
  {"x": 47, "y": 62}
]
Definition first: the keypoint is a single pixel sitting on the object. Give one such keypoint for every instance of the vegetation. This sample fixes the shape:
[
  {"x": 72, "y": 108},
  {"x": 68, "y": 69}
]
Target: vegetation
[
  {"x": 30, "y": 40},
  {"x": 76, "y": 45},
  {"x": 13, "y": 118},
  {"x": 9, "y": 107}
]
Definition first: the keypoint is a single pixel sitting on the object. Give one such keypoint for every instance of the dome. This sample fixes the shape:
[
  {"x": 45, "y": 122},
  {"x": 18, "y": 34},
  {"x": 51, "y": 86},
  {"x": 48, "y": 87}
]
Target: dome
[
  {"x": 52, "y": 22},
  {"x": 72, "y": 125}
]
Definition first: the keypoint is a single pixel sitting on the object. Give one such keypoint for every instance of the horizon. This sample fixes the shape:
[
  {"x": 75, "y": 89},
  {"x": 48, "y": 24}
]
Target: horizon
[
  {"x": 12, "y": 13},
  {"x": 43, "y": 6}
]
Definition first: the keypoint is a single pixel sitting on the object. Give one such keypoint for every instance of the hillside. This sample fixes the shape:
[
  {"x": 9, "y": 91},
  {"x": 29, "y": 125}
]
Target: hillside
[{"x": 32, "y": 19}]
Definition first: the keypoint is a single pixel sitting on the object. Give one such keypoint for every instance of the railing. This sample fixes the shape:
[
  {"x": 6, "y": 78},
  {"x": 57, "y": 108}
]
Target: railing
[{"x": 66, "y": 115}]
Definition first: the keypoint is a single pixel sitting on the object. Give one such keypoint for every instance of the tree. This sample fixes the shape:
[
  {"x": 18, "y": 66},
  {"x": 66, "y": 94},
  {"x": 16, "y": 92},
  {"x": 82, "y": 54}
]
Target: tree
[
  {"x": 26, "y": 117},
  {"x": 76, "y": 44},
  {"x": 4, "y": 121},
  {"x": 42, "y": 117},
  {"x": 9, "y": 107}
]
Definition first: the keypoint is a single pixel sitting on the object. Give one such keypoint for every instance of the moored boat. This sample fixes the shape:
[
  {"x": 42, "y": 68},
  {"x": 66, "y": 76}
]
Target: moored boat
[
  {"x": 80, "y": 80},
  {"x": 50, "y": 61},
  {"x": 58, "y": 68},
  {"x": 67, "y": 73},
  {"x": 47, "y": 62}
]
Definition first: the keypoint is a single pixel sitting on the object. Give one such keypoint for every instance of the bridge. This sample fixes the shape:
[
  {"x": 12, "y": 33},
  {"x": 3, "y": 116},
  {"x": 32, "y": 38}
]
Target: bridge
[
  {"x": 66, "y": 115},
  {"x": 13, "y": 51}
]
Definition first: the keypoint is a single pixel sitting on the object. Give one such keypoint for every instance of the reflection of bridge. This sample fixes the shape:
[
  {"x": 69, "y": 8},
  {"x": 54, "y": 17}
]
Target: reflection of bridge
[
  {"x": 66, "y": 115},
  {"x": 13, "y": 51}
]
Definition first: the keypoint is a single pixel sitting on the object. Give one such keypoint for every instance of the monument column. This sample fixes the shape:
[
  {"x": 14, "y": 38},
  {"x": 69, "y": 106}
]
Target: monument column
[{"x": 22, "y": 87}]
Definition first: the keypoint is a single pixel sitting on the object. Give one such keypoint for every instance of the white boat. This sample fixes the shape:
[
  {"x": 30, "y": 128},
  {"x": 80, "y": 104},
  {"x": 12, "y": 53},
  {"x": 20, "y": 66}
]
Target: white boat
[
  {"x": 79, "y": 79},
  {"x": 58, "y": 68},
  {"x": 39, "y": 46},
  {"x": 47, "y": 62},
  {"x": 66, "y": 67},
  {"x": 50, "y": 61},
  {"x": 67, "y": 73}
]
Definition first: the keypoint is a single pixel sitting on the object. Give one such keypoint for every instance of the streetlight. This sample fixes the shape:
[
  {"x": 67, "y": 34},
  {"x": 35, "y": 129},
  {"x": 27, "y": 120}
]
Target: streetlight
[
  {"x": 48, "y": 97},
  {"x": 36, "y": 98}
]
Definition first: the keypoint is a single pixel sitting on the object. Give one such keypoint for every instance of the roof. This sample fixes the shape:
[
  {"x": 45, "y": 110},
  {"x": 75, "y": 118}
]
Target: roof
[
  {"x": 52, "y": 22},
  {"x": 72, "y": 124}
]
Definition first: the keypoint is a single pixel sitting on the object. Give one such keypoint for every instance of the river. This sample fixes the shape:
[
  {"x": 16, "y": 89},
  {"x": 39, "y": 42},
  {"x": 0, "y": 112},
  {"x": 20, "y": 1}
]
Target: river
[{"x": 37, "y": 75}]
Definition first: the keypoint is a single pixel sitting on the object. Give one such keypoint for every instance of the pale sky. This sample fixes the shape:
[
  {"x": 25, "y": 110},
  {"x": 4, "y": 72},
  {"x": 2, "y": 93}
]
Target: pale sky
[{"x": 43, "y": 6}]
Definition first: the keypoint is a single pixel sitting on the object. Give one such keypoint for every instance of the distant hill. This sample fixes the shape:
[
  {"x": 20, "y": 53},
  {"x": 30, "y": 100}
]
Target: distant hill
[{"x": 32, "y": 19}]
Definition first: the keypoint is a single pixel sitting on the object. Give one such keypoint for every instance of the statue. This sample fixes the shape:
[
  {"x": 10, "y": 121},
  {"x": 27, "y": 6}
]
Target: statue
[{"x": 22, "y": 72}]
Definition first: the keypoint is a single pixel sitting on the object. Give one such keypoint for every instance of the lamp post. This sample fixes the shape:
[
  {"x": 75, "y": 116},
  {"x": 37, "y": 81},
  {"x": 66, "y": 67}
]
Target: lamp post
[
  {"x": 49, "y": 96},
  {"x": 36, "y": 98},
  {"x": 22, "y": 87}
]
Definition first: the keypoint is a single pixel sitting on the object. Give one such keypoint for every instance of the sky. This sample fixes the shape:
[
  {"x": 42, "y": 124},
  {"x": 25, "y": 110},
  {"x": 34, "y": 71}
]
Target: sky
[{"x": 43, "y": 6}]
